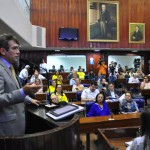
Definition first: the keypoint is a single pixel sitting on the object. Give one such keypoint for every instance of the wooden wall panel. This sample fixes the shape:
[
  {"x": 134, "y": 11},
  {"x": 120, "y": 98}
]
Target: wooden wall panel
[{"x": 53, "y": 14}]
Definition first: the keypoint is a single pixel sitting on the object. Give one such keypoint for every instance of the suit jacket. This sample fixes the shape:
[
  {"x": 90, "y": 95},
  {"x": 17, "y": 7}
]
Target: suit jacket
[
  {"x": 108, "y": 93},
  {"x": 12, "y": 113}
]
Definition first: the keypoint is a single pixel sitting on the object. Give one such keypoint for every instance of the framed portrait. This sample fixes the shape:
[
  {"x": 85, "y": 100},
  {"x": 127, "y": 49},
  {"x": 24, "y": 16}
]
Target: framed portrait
[
  {"x": 102, "y": 21},
  {"x": 136, "y": 32}
]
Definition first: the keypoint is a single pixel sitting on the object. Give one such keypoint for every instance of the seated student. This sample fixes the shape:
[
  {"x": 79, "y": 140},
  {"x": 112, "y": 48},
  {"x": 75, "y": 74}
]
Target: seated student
[
  {"x": 81, "y": 74},
  {"x": 73, "y": 79},
  {"x": 142, "y": 142},
  {"x": 127, "y": 105},
  {"x": 38, "y": 82},
  {"x": 111, "y": 92},
  {"x": 57, "y": 77},
  {"x": 61, "y": 69},
  {"x": 52, "y": 87},
  {"x": 58, "y": 95},
  {"x": 102, "y": 85},
  {"x": 134, "y": 79},
  {"x": 90, "y": 93},
  {"x": 146, "y": 83},
  {"x": 36, "y": 75},
  {"x": 121, "y": 75},
  {"x": 91, "y": 75},
  {"x": 77, "y": 87},
  {"x": 100, "y": 107},
  {"x": 140, "y": 73}
]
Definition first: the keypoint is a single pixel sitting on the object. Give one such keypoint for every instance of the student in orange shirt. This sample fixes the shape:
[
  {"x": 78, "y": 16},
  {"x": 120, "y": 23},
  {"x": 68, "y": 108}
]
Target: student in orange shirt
[{"x": 102, "y": 68}]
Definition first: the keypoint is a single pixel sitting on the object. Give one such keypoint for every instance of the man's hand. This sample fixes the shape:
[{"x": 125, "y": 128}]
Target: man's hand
[
  {"x": 31, "y": 88},
  {"x": 35, "y": 102}
]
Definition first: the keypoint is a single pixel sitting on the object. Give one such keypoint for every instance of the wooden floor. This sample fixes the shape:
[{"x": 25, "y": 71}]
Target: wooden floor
[{"x": 115, "y": 142}]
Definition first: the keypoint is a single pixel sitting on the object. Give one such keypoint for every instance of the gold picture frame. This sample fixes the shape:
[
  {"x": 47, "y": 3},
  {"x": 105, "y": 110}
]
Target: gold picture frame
[
  {"x": 136, "y": 32},
  {"x": 102, "y": 21}
]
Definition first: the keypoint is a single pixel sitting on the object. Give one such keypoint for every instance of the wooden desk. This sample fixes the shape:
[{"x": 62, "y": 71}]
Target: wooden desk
[
  {"x": 133, "y": 85},
  {"x": 91, "y": 124},
  {"x": 115, "y": 137},
  {"x": 65, "y": 82},
  {"x": 70, "y": 95},
  {"x": 41, "y": 96},
  {"x": 121, "y": 80},
  {"x": 67, "y": 87},
  {"x": 146, "y": 94},
  {"x": 85, "y": 81},
  {"x": 45, "y": 82}
]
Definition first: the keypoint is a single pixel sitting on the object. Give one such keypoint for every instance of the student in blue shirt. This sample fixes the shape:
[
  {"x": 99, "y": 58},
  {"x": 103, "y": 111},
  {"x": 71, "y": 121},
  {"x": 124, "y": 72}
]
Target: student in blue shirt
[
  {"x": 100, "y": 107},
  {"x": 127, "y": 105}
]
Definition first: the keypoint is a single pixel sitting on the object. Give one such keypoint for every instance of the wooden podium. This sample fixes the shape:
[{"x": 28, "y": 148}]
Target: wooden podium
[{"x": 43, "y": 133}]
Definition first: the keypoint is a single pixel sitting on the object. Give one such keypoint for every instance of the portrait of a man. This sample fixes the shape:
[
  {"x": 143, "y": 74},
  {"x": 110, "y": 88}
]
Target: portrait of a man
[
  {"x": 103, "y": 21},
  {"x": 136, "y": 33}
]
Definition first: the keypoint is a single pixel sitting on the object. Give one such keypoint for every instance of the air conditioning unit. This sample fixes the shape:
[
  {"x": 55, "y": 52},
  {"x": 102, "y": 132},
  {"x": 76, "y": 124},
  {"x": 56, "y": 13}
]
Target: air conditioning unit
[{"x": 38, "y": 36}]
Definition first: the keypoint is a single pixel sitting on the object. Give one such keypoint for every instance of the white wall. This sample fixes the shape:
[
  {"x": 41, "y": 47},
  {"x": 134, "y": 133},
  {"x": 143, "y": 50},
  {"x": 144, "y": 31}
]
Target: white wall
[
  {"x": 12, "y": 14},
  {"x": 123, "y": 60},
  {"x": 67, "y": 61}
]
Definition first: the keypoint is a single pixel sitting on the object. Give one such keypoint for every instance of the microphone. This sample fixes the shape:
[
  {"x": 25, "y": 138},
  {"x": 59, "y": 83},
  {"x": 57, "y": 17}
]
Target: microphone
[{"x": 47, "y": 76}]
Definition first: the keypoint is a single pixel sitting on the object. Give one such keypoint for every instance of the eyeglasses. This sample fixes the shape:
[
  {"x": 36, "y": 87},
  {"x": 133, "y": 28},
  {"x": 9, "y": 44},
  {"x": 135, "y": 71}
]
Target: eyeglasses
[{"x": 15, "y": 47}]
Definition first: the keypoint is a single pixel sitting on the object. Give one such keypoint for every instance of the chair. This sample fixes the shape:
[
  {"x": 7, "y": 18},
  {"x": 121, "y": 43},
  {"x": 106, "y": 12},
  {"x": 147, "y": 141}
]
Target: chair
[
  {"x": 86, "y": 85},
  {"x": 78, "y": 96},
  {"x": 88, "y": 106}
]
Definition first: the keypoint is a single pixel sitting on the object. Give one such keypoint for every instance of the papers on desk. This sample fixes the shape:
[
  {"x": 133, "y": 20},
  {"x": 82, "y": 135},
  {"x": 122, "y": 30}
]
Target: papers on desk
[
  {"x": 50, "y": 106},
  {"x": 64, "y": 115}
]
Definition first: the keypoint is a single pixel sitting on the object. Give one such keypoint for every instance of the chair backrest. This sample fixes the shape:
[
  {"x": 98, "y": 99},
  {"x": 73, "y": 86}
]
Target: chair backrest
[
  {"x": 88, "y": 106},
  {"x": 78, "y": 96}
]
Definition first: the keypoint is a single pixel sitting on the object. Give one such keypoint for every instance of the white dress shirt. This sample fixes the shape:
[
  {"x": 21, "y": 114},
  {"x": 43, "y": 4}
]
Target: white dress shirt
[
  {"x": 24, "y": 74},
  {"x": 87, "y": 93}
]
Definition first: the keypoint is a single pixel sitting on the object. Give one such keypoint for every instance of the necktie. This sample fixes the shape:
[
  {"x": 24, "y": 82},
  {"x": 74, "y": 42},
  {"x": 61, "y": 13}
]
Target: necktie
[{"x": 14, "y": 74}]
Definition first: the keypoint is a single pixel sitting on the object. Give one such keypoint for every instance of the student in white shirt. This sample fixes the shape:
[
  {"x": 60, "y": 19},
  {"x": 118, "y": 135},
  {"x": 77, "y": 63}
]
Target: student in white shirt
[
  {"x": 134, "y": 79},
  {"x": 90, "y": 93},
  {"x": 24, "y": 75},
  {"x": 37, "y": 75},
  {"x": 43, "y": 67}
]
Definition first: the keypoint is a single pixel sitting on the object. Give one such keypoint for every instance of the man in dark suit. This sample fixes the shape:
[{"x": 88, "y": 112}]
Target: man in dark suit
[
  {"x": 137, "y": 35},
  {"x": 104, "y": 21},
  {"x": 111, "y": 93},
  {"x": 12, "y": 96}
]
